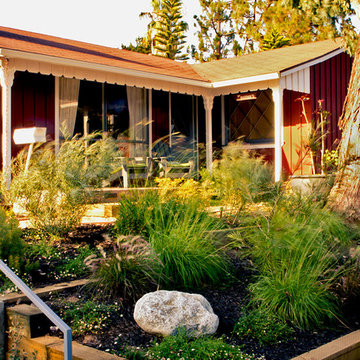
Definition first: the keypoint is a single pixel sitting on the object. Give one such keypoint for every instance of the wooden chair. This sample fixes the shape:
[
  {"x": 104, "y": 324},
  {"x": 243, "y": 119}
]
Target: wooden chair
[
  {"x": 136, "y": 168},
  {"x": 175, "y": 169}
]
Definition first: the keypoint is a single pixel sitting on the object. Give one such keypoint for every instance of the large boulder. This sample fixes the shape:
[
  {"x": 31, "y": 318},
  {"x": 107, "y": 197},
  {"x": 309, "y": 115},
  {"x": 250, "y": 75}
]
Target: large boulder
[{"x": 164, "y": 312}]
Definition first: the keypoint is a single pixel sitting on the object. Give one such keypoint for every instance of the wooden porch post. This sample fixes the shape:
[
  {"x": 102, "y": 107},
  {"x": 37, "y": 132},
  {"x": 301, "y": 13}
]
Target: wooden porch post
[
  {"x": 150, "y": 122},
  {"x": 208, "y": 104},
  {"x": 170, "y": 122},
  {"x": 57, "y": 114},
  {"x": 277, "y": 93},
  {"x": 223, "y": 135},
  {"x": 6, "y": 81}
]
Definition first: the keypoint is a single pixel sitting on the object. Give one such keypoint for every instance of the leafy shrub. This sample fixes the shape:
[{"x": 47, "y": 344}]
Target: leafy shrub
[
  {"x": 56, "y": 188},
  {"x": 240, "y": 177},
  {"x": 264, "y": 328},
  {"x": 185, "y": 189},
  {"x": 87, "y": 317},
  {"x": 296, "y": 250},
  {"x": 180, "y": 235},
  {"x": 131, "y": 270},
  {"x": 181, "y": 347},
  {"x": 11, "y": 245}
]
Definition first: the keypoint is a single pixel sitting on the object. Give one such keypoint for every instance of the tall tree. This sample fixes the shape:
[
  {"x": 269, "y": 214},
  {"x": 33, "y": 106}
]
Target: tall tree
[
  {"x": 215, "y": 32},
  {"x": 301, "y": 21},
  {"x": 170, "y": 30},
  {"x": 345, "y": 195},
  {"x": 145, "y": 44}
]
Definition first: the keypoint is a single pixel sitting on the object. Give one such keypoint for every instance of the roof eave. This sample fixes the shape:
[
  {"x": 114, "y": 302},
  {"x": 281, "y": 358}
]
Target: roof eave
[
  {"x": 245, "y": 80},
  {"x": 312, "y": 62},
  {"x": 101, "y": 67}
]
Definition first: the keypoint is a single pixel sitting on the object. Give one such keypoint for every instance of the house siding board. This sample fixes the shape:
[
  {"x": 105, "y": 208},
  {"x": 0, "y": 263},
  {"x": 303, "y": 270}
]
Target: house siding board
[
  {"x": 33, "y": 103},
  {"x": 329, "y": 82}
]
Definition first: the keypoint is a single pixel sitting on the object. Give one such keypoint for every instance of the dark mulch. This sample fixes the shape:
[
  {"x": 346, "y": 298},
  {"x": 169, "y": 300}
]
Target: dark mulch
[{"x": 227, "y": 301}]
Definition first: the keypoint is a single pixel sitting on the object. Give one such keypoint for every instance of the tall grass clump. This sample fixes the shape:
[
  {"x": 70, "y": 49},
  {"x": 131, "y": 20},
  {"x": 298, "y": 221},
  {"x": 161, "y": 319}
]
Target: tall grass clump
[
  {"x": 134, "y": 211},
  {"x": 131, "y": 269},
  {"x": 296, "y": 250},
  {"x": 180, "y": 234},
  {"x": 241, "y": 177},
  {"x": 56, "y": 187}
]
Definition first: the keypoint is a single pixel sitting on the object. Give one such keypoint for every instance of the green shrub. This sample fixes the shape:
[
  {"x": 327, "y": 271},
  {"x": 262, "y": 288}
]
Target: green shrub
[
  {"x": 240, "y": 177},
  {"x": 181, "y": 235},
  {"x": 264, "y": 328},
  {"x": 11, "y": 245},
  {"x": 296, "y": 250},
  {"x": 185, "y": 190},
  {"x": 130, "y": 271},
  {"x": 87, "y": 317},
  {"x": 56, "y": 188},
  {"x": 181, "y": 347}
]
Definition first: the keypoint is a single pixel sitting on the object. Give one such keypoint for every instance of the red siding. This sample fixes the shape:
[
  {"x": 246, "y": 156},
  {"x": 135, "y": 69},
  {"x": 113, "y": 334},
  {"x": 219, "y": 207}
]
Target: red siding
[
  {"x": 33, "y": 101},
  {"x": 329, "y": 81}
]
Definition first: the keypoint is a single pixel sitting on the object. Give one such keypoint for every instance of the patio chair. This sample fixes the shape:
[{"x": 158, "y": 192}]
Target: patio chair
[
  {"x": 136, "y": 168},
  {"x": 175, "y": 169}
]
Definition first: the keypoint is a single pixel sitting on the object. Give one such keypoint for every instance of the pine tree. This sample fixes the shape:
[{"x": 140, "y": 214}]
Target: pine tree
[
  {"x": 170, "y": 29},
  {"x": 274, "y": 40}
]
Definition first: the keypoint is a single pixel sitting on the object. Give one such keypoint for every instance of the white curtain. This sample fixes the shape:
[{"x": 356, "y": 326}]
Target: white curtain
[
  {"x": 138, "y": 120},
  {"x": 69, "y": 95}
]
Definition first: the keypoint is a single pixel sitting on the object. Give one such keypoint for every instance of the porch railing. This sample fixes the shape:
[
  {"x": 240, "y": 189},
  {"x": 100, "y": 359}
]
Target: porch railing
[{"x": 42, "y": 307}]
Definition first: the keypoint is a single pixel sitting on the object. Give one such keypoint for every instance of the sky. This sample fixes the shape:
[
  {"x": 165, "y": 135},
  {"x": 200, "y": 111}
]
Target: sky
[{"x": 103, "y": 22}]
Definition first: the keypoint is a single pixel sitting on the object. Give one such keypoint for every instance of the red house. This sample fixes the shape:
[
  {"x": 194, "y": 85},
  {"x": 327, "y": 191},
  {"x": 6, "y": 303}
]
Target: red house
[{"x": 73, "y": 87}]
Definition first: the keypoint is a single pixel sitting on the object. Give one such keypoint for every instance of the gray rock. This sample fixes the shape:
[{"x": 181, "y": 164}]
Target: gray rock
[{"x": 164, "y": 312}]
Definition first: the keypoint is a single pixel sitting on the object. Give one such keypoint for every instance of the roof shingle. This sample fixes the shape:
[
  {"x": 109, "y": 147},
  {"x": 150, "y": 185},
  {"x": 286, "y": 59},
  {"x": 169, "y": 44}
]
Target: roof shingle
[
  {"x": 265, "y": 62},
  {"x": 26, "y": 41},
  {"x": 255, "y": 64}
]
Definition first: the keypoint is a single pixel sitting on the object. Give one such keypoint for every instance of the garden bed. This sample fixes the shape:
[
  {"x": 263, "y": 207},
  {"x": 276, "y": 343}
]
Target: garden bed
[{"x": 228, "y": 302}]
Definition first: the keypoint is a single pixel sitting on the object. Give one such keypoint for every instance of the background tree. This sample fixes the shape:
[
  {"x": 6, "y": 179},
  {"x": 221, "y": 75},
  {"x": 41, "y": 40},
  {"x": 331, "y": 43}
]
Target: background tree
[
  {"x": 142, "y": 45},
  {"x": 345, "y": 195},
  {"x": 300, "y": 21},
  {"x": 274, "y": 40},
  {"x": 170, "y": 30},
  {"x": 145, "y": 44},
  {"x": 215, "y": 32}
]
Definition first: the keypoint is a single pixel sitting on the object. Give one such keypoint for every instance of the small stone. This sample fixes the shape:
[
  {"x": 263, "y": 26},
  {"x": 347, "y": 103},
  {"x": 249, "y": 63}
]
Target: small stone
[{"x": 165, "y": 312}]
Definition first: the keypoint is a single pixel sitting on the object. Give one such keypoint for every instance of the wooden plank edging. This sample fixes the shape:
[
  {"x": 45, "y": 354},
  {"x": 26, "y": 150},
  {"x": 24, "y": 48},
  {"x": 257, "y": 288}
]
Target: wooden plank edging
[
  {"x": 15, "y": 297},
  {"x": 346, "y": 347}
]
